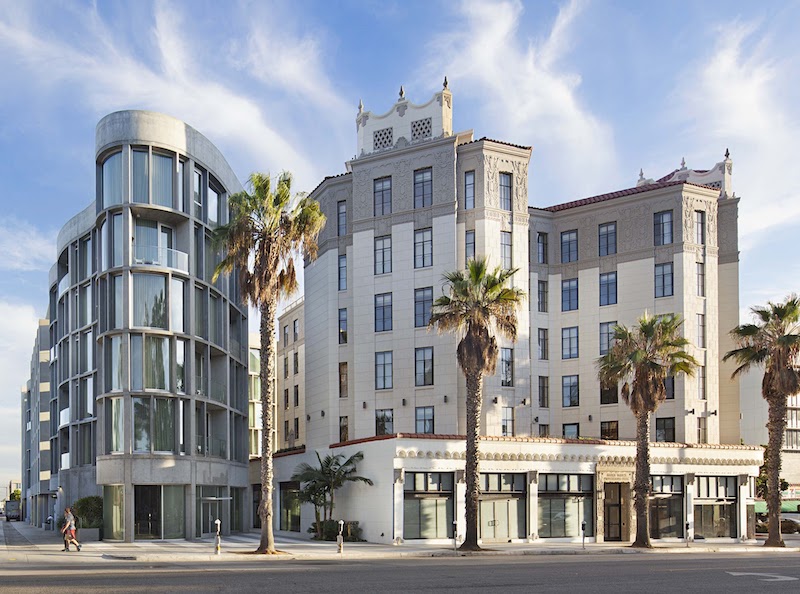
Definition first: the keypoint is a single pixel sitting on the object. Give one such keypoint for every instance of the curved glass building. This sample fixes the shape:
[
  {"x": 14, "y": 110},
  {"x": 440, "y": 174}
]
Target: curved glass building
[{"x": 149, "y": 357}]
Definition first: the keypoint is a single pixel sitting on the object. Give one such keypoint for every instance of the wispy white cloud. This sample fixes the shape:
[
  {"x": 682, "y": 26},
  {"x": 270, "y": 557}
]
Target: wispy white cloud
[
  {"x": 25, "y": 248},
  {"x": 17, "y": 333},
  {"x": 739, "y": 96},
  {"x": 109, "y": 75},
  {"x": 527, "y": 94}
]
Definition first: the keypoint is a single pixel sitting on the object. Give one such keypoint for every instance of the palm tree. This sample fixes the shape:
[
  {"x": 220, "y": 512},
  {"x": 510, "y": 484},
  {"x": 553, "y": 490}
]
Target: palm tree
[
  {"x": 268, "y": 227},
  {"x": 774, "y": 342},
  {"x": 479, "y": 303},
  {"x": 331, "y": 475},
  {"x": 642, "y": 358}
]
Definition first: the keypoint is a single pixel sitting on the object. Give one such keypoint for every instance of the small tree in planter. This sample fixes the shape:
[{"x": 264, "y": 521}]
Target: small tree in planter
[{"x": 89, "y": 516}]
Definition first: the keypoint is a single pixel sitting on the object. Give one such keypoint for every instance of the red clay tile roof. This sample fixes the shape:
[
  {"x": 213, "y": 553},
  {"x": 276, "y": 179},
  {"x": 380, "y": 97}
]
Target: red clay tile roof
[
  {"x": 327, "y": 177},
  {"x": 519, "y": 146},
  {"x": 619, "y": 194}
]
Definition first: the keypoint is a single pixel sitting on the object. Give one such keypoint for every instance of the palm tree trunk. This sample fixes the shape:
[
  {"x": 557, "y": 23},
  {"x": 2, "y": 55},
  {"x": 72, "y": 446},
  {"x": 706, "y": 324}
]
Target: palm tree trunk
[
  {"x": 776, "y": 428},
  {"x": 641, "y": 484},
  {"x": 268, "y": 310},
  {"x": 471, "y": 475}
]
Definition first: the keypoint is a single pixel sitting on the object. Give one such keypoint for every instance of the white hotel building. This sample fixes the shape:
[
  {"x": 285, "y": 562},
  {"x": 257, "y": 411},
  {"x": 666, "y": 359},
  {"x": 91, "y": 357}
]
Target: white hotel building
[{"x": 417, "y": 201}]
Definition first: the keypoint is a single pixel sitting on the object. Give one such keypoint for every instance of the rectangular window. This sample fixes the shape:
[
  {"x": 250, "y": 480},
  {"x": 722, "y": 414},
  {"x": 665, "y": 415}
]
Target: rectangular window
[
  {"x": 701, "y": 331},
  {"x": 296, "y": 396},
  {"x": 343, "y": 393},
  {"x": 469, "y": 246},
  {"x": 700, "y": 227},
  {"x": 115, "y": 424},
  {"x": 570, "y": 391},
  {"x": 469, "y": 189},
  {"x": 506, "y": 257},
  {"x": 342, "y": 272},
  {"x": 505, "y": 191},
  {"x": 607, "y": 235},
  {"x": 569, "y": 294},
  {"x": 113, "y": 363},
  {"x": 163, "y": 425},
  {"x": 341, "y": 219},
  {"x": 343, "y": 325},
  {"x": 542, "y": 296},
  {"x": 176, "y": 303},
  {"x": 296, "y": 360},
  {"x": 662, "y": 228},
  {"x": 286, "y": 367},
  {"x": 506, "y": 367},
  {"x": 544, "y": 391},
  {"x": 700, "y": 275},
  {"x": 702, "y": 431},
  {"x": 162, "y": 180},
  {"x": 286, "y": 399},
  {"x": 149, "y": 300},
  {"x": 423, "y": 301},
  {"x": 701, "y": 382},
  {"x": 541, "y": 248},
  {"x": 343, "y": 429},
  {"x": 665, "y": 429},
  {"x": 609, "y": 430},
  {"x": 608, "y": 288},
  {"x": 544, "y": 430},
  {"x": 198, "y": 193},
  {"x": 141, "y": 424},
  {"x": 571, "y": 430},
  {"x": 156, "y": 363},
  {"x": 383, "y": 255},
  {"x": 112, "y": 180},
  {"x": 609, "y": 395},
  {"x": 382, "y": 195},
  {"x": 423, "y": 366},
  {"x": 543, "y": 344},
  {"x": 664, "y": 287},
  {"x": 295, "y": 330},
  {"x": 384, "y": 421},
  {"x": 424, "y": 419},
  {"x": 669, "y": 387},
  {"x": 423, "y": 188},
  {"x": 286, "y": 335},
  {"x": 569, "y": 343},
  {"x": 606, "y": 336},
  {"x": 286, "y": 430},
  {"x": 507, "y": 425},
  {"x": 383, "y": 370},
  {"x": 383, "y": 312},
  {"x": 140, "y": 177},
  {"x": 296, "y": 427},
  {"x": 180, "y": 366},
  {"x": 213, "y": 205},
  {"x": 569, "y": 246},
  {"x": 423, "y": 248}
]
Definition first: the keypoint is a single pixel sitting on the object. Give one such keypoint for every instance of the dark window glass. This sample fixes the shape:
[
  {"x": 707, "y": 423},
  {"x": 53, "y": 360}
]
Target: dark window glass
[
  {"x": 423, "y": 248},
  {"x": 382, "y": 195},
  {"x": 423, "y": 300},
  {"x": 665, "y": 429},
  {"x": 607, "y": 233},
  {"x": 383, "y": 312},
  {"x": 569, "y": 294},
  {"x": 505, "y": 191},
  {"x": 570, "y": 391},
  {"x": 608, "y": 288},
  {"x": 541, "y": 248},
  {"x": 662, "y": 228},
  {"x": 663, "y": 280},
  {"x": 423, "y": 188},
  {"x": 569, "y": 343},
  {"x": 569, "y": 246},
  {"x": 609, "y": 430},
  {"x": 469, "y": 189},
  {"x": 423, "y": 366}
]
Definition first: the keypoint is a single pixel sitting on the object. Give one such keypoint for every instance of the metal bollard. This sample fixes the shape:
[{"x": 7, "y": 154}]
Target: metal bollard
[
  {"x": 218, "y": 543},
  {"x": 455, "y": 535},
  {"x": 340, "y": 538}
]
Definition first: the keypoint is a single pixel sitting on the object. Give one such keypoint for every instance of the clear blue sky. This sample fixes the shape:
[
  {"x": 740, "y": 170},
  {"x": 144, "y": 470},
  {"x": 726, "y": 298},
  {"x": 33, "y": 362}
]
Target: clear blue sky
[{"x": 599, "y": 89}]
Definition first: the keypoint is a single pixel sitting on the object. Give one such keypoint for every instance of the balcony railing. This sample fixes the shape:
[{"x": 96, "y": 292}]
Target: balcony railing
[
  {"x": 65, "y": 461},
  {"x": 217, "y": 390},
  {"x": 63, "y": 285},
  {"x": 212, "y": 446},
  {"x": 63, "y": 417},
  {"x": 150, "y": 255}
]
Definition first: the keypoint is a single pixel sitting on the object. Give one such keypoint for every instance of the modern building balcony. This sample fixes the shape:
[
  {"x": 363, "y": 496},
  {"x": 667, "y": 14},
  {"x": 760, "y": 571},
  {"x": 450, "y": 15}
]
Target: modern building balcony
[
  {"x": 63, "y": 285},
  {"x": 150, "y": 255},
  {"x": 213, "y": 447},
  {"x": 63, "y": 417},
  {"x": 65, "y": 461}
]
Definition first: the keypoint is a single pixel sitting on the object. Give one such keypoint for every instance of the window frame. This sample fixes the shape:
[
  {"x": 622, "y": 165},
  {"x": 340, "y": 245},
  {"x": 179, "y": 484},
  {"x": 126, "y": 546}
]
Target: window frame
[
  {"x": 382, "y": 196},
  {"x": 423, "y": 248},
  {"x": 569, "y": 294},
  {"x": 569, "y": 246},
  {"x": 571, "y": 398},
  {"x": 666, "y": 273},
  {"x": 423, "y": 187},
  {"x": 469, "y": 190},
  {"x": 423, "y": 366},
  {"x": 506, "y": 189},
  {"x": 423, "y": 303},
  {"x": 507, "y": 367},
  {"x": 382, "y": 247},
  {"x": 383, "y": 312},
  {"x": 662, "y": 228},
  {"x": 569, "y": 343},
  {"x": 608, "y": 288},
  {"x": 384, "y": 370},
  {"x": 426, "y": 422},
  {"x": 607, "y": 239},
  {"x": 341, "y": 218}
]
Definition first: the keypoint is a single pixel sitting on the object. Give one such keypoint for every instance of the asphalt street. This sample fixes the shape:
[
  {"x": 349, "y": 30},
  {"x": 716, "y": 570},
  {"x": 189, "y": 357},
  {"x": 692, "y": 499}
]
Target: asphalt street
[{"x": 614, "y": 573}]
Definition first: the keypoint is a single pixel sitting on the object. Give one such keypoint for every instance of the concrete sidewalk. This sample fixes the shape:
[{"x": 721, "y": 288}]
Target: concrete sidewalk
[{"x": 20, "y": 542}]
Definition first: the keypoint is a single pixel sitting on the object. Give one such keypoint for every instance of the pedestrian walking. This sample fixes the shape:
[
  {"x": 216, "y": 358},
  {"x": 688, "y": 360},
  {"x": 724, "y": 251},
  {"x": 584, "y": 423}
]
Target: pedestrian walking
[{"x": 69, "y": 530}]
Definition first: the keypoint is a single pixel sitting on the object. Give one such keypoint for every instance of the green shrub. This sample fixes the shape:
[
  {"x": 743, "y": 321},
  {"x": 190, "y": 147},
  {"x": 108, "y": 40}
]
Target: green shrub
[
  {"x": 330, "y": 530},
  {"x": 89, "y": 510}
]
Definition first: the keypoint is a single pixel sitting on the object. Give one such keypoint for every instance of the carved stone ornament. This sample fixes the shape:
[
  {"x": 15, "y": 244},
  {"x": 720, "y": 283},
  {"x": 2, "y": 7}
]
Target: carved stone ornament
[
  {"x": 401, "y": 109},
  {"x": 520, "y": 172},
  {"x": 492, "y": 196}
]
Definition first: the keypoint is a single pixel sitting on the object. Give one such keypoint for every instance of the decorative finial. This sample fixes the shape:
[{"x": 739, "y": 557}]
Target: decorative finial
[
  {"x": 683, "y": 163},
  {"x": 360, "y": 106},
  {"x": 727, "y": 154},
  {"x": 641, "y": 174},
  {"x": 402, "y": 92},
  {"x": 445, "y": 83}
]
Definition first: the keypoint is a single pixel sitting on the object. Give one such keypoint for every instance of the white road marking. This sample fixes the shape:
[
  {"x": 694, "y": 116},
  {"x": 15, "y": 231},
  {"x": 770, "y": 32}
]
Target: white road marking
[{"x": 767, "y": 577}]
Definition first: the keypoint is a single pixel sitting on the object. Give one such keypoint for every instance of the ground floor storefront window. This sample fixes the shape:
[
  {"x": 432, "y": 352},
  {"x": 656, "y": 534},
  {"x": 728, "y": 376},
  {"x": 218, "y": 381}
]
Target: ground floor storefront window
[
  {"x": 210, "y": 504},
  {"x": 158, "y": 511},
  {"x": 290, "y": 506},
  {"x": 715, "y": 507},
  {"x": 428, "y": 505},
  {"x": 565, "y": 501},
  {"x": 113, "y": 512},
  {"x": 666, "y": 507},
  {"x": 502, "y": 506}
]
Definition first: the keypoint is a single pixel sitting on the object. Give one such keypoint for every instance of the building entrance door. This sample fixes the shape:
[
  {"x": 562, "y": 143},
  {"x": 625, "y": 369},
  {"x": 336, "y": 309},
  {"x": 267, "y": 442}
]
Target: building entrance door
[
  {"x": 612, "y": 512},
  {"x": 502, "y": 519},
  {"x": 147, "y": 511},
  {"x": 211, "y": 511}
]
